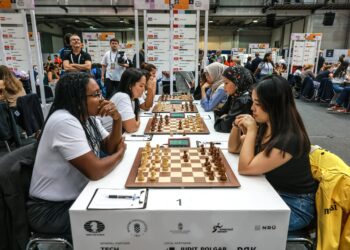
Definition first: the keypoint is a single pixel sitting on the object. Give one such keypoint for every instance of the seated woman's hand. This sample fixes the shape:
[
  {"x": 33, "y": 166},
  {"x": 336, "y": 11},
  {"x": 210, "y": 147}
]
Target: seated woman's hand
[
  {"x": 245, "y": 123},
  {"x": 108, "y": 108}
]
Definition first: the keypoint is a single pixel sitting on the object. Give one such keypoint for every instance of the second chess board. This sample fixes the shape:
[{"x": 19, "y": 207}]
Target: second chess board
[
  {"x": 164, "y": 107},
  {"x": 165, "y": 125}
]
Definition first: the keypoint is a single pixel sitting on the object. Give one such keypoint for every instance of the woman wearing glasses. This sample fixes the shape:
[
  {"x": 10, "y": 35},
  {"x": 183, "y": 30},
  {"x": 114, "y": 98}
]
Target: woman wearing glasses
[{"x": 68, "y": 152}]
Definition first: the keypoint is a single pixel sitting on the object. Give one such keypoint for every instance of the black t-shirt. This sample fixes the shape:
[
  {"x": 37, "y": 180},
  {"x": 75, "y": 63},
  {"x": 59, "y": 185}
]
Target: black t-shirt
[
  {"x": 295, "y": 175},
  {"x": 80, "y": 58}
]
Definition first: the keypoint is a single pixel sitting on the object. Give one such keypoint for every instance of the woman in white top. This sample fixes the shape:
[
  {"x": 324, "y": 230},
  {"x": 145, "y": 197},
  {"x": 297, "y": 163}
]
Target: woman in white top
[
  {"x": 131, "y": 87},
  {"x": 266, "y": 67},
  {"x": 68, "y": 152}
]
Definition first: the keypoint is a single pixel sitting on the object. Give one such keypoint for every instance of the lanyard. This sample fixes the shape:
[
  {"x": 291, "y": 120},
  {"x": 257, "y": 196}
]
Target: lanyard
[
  {"x": 71, "y": 57},
  {"x": 110, "y": 56}
]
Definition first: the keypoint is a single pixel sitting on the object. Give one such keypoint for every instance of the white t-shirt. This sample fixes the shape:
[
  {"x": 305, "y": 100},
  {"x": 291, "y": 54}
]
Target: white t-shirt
[
  {"x": 107, "y": 121},
  {"x": 63, "y": 139},
  {"x": 266, "y": 68},
  {"x": 112, "y": 58}
]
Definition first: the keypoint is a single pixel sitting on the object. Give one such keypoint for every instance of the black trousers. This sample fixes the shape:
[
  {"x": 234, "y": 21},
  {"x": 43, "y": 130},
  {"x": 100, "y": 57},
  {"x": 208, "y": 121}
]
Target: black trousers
[
  {"x": 111, "y": 87},
  {"x": 49, "y": 218}
]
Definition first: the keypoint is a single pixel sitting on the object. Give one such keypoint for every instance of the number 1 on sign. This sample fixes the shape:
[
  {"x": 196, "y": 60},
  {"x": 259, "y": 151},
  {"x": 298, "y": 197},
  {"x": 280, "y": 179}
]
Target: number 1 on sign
[{"x": 180, "y": 202}]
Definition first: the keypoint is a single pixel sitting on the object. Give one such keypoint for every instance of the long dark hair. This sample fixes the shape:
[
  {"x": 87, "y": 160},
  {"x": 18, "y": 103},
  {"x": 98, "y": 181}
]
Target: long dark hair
[
  {"x": 276, "y": 99},
  {"x": 70, "y": 95},
  {"x": 127, "y": 81},
  {"x": 265, "y": 60}
]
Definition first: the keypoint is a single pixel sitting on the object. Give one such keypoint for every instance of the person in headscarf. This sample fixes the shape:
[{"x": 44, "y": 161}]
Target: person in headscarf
[
  {"x": 238, "y": 81},
  {"x": 215, "y": 96}
]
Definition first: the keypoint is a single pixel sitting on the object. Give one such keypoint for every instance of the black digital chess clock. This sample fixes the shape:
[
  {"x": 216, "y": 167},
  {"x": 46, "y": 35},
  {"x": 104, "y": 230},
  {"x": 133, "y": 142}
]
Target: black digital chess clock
[
  {"x": 179, "y": 142},
  {"x": 177, "y": 115}
]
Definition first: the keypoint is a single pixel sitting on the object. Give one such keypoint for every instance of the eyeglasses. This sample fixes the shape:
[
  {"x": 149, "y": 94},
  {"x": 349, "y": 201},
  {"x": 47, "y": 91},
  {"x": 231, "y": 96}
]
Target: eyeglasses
[
  {"x": 96, "y": 94},
  {"x": 75, "y": 39}
]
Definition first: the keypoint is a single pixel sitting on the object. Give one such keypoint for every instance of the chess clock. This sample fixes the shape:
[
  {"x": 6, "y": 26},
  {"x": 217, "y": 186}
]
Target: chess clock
[
  {"x": 177, "y": 115},
  {"x": 175, "y": 102},
  {"x": 179, "y": 142}
]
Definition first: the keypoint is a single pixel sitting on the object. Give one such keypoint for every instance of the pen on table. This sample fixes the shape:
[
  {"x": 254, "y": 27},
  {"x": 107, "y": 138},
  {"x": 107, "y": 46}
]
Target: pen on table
[
  {"x": 113, "y": 196},
  {"x": 139, "y": 135},
  {"x": 215, "y": 143}
]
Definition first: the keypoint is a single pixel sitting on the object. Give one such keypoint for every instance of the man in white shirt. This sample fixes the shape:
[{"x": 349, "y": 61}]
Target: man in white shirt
[{"x": 112, "y": 68}]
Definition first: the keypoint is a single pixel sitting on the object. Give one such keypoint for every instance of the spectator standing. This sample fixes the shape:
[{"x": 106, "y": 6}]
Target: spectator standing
[
  {"x": 77, "y": 59},
  {"x": 111, "y": 69},
  {"x": 255, "y": 63},
  {"x": 67, "y": 48}
]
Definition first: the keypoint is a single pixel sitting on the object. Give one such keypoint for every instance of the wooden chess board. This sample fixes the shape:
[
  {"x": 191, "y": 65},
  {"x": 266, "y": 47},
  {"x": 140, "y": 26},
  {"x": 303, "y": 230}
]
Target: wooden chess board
[
  {"x": 189, "y": 125},
  {"x": 163, "y": 107},
  {"x": 191, "y": 174},
  {"x": 182, "y": 97}
]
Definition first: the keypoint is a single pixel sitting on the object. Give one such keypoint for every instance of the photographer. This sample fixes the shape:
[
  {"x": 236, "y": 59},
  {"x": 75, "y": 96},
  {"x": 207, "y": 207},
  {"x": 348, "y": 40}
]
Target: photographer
[{"x": 113, "y": 66}]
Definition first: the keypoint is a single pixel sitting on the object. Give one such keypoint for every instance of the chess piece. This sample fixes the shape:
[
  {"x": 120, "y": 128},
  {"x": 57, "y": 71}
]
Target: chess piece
[
  {"x": 202, "y": 150},
  {"x": 140, "y": 176},
  {"x": 185, "y": 156},
  {"x": 157, "y": 158},
  {"x": 223, "y": 177},
  {"x": 180, "y": 125},
  {"x": 153, "y": 176},
  {"x": 165, "y": 151},
  {"x": 207, "y": 163},
  {"x": 211, "y": 176},
  {"x": 165, "y": 165}
]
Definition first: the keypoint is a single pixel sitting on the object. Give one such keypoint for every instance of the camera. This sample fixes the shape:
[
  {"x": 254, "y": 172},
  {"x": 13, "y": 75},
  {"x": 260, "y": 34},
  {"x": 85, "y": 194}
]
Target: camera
[{"x": 122, "y": 59}]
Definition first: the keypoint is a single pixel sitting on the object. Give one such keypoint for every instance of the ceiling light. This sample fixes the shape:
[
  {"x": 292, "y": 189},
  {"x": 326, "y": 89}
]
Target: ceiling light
[
  {"x": 255, "y": 21},
  {"x": 211, "y": 21},
  {"x": 121, "y": 21},
  {"x": 77, "y": 20},
  {"x": 92, "y": 27}
]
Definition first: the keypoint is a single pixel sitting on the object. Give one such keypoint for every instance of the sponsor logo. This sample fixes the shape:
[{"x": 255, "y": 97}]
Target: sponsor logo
[
  {"x": 246, "y": 248},
  {"x": 219, "y": 228},
  {"x": 265, "y": 227},
  {"x": 137, "y": 228},
  {"x": 94, "y": 226},
  {"x": 180, "y": 229},
  {"x": 330, "y": 209},
  {"x": 109, "y": 248}
]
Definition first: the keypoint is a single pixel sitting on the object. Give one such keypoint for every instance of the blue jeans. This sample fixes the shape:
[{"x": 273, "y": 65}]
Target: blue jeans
[{"x": 302, "y": 208}]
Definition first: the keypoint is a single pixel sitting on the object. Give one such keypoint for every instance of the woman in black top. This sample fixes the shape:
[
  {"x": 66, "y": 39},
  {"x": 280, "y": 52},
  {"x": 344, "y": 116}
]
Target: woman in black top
[
  {"x": 274, "y": 142},
  {"x": 238, "y": 81}
]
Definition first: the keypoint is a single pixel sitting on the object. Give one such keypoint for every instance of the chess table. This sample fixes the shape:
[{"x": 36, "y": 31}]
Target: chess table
[
  {"x": 182, "y": 97},
  {"x": 181, "y": 174},
  {"x": 188, "y": 125},
  {"x": 164, "y": 107}
]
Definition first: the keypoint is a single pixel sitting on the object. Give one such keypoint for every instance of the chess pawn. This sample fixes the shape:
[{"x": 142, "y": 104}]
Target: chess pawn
[
  {"x": 165, "y": 151},
  {"x": 153, "y": 176},
  {"x": 140, "y": 176},
  {"x": 165, "y": 165},
  {"x": 157, "y": 158}
]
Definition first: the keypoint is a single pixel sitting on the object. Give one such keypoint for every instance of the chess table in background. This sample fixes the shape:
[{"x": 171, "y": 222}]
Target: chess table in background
[
  {"x": 164, "y": 107},
  {"x": 180, "y": 174},
  {"x": 182, "y": 97},
  {"x": 166, "y": 125}
]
